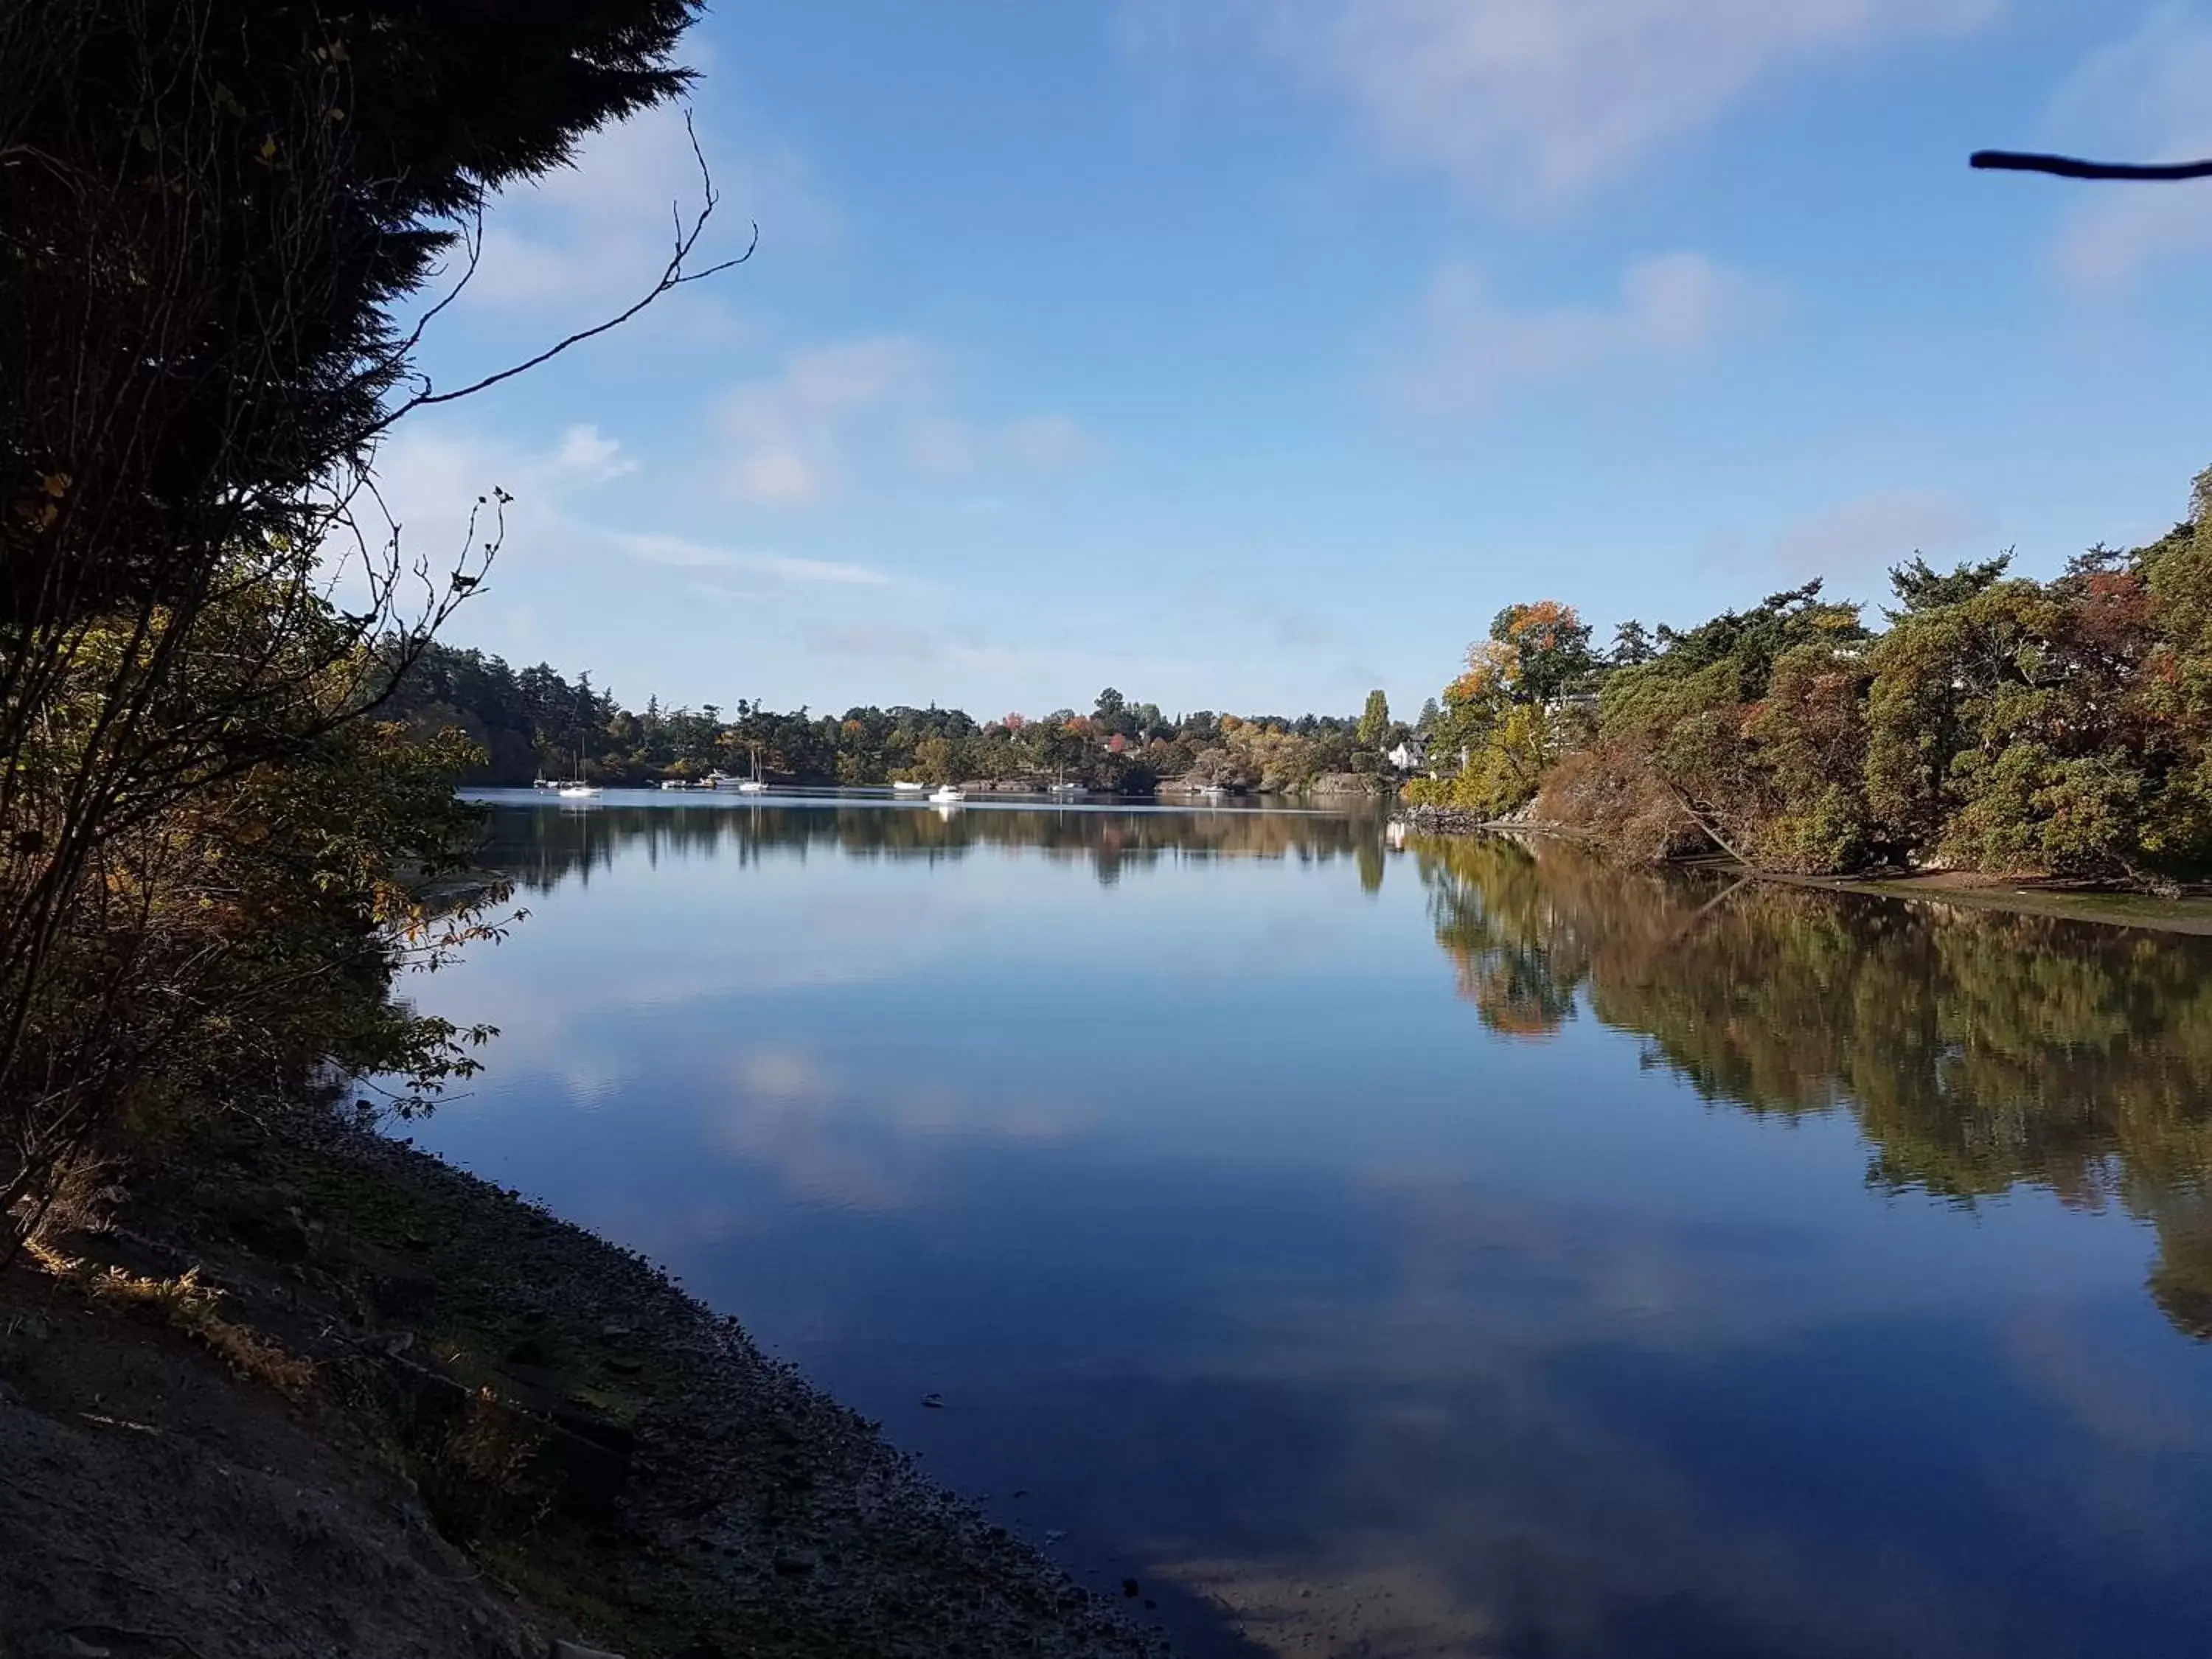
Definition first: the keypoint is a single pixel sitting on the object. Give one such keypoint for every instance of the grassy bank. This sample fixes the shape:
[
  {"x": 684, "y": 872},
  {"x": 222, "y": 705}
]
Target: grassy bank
[{"x": 344, "y": 1398}]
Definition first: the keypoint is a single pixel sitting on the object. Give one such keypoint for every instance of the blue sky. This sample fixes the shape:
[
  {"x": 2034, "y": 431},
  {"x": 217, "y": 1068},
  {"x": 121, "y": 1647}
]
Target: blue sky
[{"x": 1245, "y": 353}]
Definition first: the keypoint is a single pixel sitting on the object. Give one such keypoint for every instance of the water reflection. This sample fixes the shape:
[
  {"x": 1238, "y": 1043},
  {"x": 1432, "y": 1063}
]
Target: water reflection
[
  {"x": 1975, "y": 1050},
  {"x": 1534, "y": 1300},
  {"x": 542, "y": 848}
]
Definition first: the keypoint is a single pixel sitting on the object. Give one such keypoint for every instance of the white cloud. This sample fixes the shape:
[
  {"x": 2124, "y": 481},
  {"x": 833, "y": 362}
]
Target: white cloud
[
  {"x": 2146, "y": 98},
  {"x": 1544, "y": 97},
  {"x": 942, "y": 446},
  {"x": 1049, "y": 442},
  {"x": 585, "y": 454},
  {"x": 1469, "y": 349},
  {"x": 792, "y": 437},
  {"x": 781, "y": 567},
  {"x": 777, "y": 475},
  {"x": 1873, "y": 532},
  {"x": 430, "y": 476},
  {"x": 1034, "y": 443},
  {"x": 599, "y": 233},
  {"x": 879, "y": 643},
  {"x": 901, "y": 643},
  {"x": 788, "y": 435}
]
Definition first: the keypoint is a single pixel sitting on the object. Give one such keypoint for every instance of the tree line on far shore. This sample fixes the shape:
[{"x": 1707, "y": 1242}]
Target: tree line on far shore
[
  {"x": 534, "y": 723},
  {"x": 1991, "y": 722}
]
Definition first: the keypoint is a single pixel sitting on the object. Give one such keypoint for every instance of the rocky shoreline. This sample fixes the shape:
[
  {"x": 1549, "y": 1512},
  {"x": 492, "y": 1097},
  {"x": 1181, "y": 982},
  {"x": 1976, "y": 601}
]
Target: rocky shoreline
[
  {"x": 327, "y": 1394},
  {"x": 1458, "y": 821}
]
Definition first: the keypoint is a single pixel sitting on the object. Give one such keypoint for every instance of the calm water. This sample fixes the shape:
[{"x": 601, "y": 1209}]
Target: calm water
[{"x": 1444, "y": 1250}]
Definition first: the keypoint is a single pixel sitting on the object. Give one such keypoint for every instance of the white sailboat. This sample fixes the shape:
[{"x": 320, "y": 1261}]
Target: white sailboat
[
  {"x": 577, "y": 789},
  {"x": 946, "y": 794},
  {"x": 754, "y": 784}
]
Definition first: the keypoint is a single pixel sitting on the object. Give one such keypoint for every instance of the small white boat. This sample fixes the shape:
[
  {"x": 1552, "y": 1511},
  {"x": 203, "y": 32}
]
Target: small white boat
[
  {"x": 674, "y": 783},
  {"x": 752, "y": 783},
  {"x": 1064, "y": 789},
  {"x": 1213, "y": 792},
  {"x": 903, "y": 787},
  {"x": 575, "y": 789},
  {"x": 947, "y": 795}
]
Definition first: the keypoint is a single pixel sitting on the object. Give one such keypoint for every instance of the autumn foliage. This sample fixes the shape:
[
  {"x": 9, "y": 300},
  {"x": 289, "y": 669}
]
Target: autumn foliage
[{"x": 1996, "y": 724}]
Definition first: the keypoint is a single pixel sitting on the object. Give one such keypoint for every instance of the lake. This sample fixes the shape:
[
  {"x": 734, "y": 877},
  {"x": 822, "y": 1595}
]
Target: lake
[{"x": 1453, "y": 1249}]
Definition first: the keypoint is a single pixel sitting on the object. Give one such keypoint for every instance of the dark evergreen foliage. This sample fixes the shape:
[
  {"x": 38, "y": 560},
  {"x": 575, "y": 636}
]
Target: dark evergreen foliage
[{"x": 209, "y": 211}]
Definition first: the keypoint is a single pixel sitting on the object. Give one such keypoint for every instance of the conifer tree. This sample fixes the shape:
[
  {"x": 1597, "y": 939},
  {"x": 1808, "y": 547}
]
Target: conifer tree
[{"x": 1374, "y": 720}]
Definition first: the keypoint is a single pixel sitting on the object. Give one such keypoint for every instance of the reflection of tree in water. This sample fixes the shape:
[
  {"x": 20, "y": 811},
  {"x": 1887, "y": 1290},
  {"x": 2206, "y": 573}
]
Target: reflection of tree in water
[
  {"x": 1519, "y": 957},
  {"x": 541, "y": 846},
  {"x": 1368, "y": 849},
  {"x": 1976, "y": 1050}
]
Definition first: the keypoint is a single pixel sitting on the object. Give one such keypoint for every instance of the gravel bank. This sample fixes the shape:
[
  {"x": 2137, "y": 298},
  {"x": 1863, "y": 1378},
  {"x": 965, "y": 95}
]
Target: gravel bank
[{"x": 432, "y": 1418}]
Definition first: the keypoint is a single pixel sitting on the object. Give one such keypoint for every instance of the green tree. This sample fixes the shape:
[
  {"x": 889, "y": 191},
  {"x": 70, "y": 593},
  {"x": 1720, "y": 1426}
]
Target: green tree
[
  {"x": 1920, "y": 587},
  {"x": 1633, "y": 644},
  {"x": 1374, "y": 721},
  {"x": 937, "y": 760},
  {"x": 1500, "y": 721},
  {"x": 228, "y": 204}
]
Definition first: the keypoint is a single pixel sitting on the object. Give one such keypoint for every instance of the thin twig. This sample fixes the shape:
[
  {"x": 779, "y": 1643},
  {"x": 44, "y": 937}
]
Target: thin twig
[
  {"x": 672, "y": 276},
  {"x": 2067, "y": 167}
]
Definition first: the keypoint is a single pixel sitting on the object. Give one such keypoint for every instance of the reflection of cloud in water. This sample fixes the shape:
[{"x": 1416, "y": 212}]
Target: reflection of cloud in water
[
  {"x": 2132, "y": 1411},
  {"x": 1388, "y": 1611},
  {"x": 1489, "y": 1514},
  {"x": 589, "y": 1087},
  {"x": 1458, "y": 1460},
  {"x": 872, "y": 1148},
  {"x": 783, "y": 1075},
  {"x": 536, "y": 1017}
]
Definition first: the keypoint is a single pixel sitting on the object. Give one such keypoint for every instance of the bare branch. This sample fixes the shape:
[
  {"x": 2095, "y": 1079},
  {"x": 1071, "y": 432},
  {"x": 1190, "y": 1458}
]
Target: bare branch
[
  {"x": 472, "y": 239},
  {"x": 2066, "y": 167},
  {"x": 673, "y": 276}
]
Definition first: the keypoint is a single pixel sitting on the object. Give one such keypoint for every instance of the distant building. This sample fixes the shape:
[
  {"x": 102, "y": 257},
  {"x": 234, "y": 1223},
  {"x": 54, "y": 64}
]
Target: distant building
[{"x": 1410, "y": 755}]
